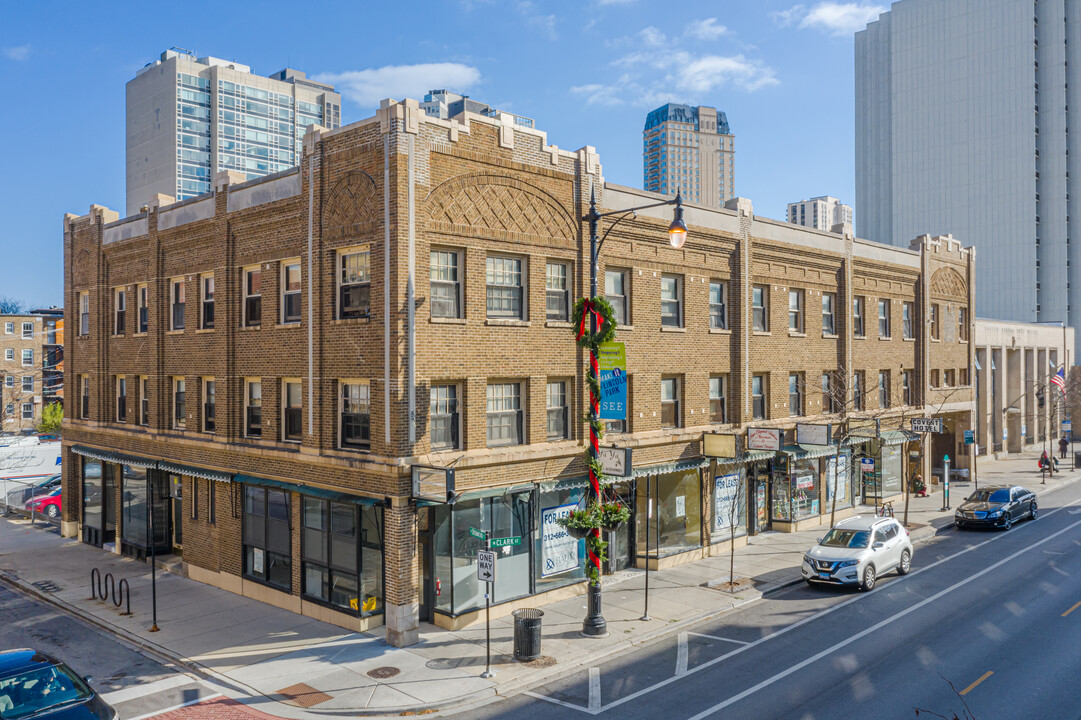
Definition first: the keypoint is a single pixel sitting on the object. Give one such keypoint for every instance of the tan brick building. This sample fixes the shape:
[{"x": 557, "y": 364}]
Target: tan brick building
[
  {"x": 31, "y": 365},
  {"x": 266, "y": 365}
]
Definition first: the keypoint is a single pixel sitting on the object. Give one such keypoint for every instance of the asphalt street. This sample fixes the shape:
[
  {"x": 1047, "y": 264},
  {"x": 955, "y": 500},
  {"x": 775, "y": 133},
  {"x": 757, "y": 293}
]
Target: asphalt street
[
  {"x": 988, "y": 622},
  {"x": 136, "y": 685}
]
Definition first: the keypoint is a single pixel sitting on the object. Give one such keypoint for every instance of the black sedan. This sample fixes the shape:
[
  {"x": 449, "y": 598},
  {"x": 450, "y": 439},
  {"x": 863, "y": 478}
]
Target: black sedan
[
  {"x": 36, "y": 685},
  {"x": 996, "y": 506}
]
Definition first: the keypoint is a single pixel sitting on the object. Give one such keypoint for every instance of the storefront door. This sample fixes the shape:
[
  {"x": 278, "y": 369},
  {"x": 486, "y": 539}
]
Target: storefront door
[
  {"x": 426, "y": 597},
  {"x": 620, "y": 544},
  {"x": 760, "y": 498},
  {"x": 108, "y": 503},
  {"x": 176, "y": 488}
]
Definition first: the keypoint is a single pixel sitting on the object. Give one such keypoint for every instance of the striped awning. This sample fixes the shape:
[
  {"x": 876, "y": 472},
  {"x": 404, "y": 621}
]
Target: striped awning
[
  {"x": 809, "y": 452},
  {"x": 113, "y": 457},
  {"x": 324, "y": 493},
  {"x": 494, "y": 492},
  {"x": 678, "y": 466},
  {"x": 195, "y": 471},
  {"x": 898, "y": 437}
]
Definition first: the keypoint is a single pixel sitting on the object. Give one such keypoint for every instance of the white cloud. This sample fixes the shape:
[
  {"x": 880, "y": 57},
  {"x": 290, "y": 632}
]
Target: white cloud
[
  {"x": 652, "y": 37},
  {"x": 707, "y": 73},
  {"x": 547, "y": 23},
  {"x": 19, "y": 53},
  {"x": 836, "y": 18},
  {"x": 707, "y": 29},
  {"x": 615, "y": 2},
  {"x": 368, "y": 87},
  {"x": 597, "y": 94}
]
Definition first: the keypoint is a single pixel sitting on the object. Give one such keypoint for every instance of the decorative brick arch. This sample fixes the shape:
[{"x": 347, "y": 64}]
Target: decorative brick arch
[
  {"x": 947, "y": 282},
  {"x": 504, "y": 205},
  {"x": 351, "y": 202}
]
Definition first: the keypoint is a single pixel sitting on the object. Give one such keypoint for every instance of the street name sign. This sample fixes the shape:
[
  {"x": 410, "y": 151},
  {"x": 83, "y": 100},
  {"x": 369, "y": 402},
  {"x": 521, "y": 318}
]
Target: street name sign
[
  {"x": 926, "y": 425},
  {"x": 485, "y": 566},
  {"x": 505, "y": 542},
  {"x": 476, "y": 533}
]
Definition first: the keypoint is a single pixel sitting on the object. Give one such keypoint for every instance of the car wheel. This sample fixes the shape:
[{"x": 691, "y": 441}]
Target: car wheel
[
  {"x": 1033, "y": 511},
  {"x": 869, "y": 578},
  {"x": 52, "y": 511},
  {"x": 1007, "y": 523},
  {"x": 905, "y": 565}
]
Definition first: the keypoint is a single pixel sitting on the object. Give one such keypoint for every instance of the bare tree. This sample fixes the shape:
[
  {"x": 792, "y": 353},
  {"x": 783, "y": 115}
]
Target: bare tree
[
  {"x": 11, "y": 306},
  {"x": 731, "y": 513}
]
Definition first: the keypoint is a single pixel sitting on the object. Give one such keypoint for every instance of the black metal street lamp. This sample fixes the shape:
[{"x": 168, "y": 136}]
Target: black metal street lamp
[{"x": 594, "y": 625}]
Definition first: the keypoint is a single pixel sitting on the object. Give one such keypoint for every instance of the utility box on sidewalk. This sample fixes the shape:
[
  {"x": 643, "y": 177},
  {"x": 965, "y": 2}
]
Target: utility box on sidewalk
[
  {"x": 527, "y": 634},
  {"x": 1077, "y": 458}
]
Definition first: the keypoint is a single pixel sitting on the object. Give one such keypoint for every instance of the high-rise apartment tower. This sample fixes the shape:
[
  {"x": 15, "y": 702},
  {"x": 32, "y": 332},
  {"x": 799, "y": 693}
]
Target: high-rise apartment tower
[
  {"x": 963, "y": 111},
  {"x": 188, "y": 118},
  {"x": 690, "y": 149},
  {"x": 821, "y": 213}
]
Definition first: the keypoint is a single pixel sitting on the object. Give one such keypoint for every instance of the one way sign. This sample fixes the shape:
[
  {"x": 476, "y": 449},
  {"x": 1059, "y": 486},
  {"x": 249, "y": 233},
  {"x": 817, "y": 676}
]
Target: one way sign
[{"x": 485, "y": 566}]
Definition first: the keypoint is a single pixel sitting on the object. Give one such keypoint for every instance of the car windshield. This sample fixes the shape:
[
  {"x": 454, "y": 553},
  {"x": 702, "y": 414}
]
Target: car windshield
[
  {"x": 25, "y": 694},
  {"x": 840, "y": 538},
  {"x": 988, "y": 495}
]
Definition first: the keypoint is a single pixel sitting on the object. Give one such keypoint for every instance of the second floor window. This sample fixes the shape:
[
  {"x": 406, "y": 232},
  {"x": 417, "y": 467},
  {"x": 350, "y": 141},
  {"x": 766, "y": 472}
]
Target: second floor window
[
  {"x": 292, "y": 427},
  {"x": 795, "y": 395},
  {"x": 121, "y": 399},
  {"x": 615, "y": 291},
  {"x": 144, "y": 310},
  {"x": 857, "y": 317},
  {"x": 718, "y": 308},
  {"x": 84, "y": 313},
  {"x": 120, "y": 306},
  {"x": 829, "y": 326},
  {"x": 356, "y": 415},
  {"x": 884, "y": 318},
  {"x": 253, "y": 409},
  {"x": 208, "y": 302},
  {"x": 670, "y": 415},
  {"x": 758, "y": 397},
  {"x": 883, "y": 389},
  {"x": 180, "y": 417},
  {"x": 857, "y": 391},
  {"x": 962, "y": 324},
  {"x": 717, "y": 407},
  {"x": 556, "y": 291},
  {"x": 28, "y": 330},
  {"x": 557, "y": 410},
  {"x": 28, "y": 383},
  {"x": 503, "y": 276},
  {"x": 28, "y": 358},
  {"x": 291, "y": 293},
  {"x": 504, "y": 414},
  {"x": 354, "y": 284},
  {"x": 795, "y": 311},
  {"x": 444, "y": 417},
  {"x": 209, "y": 401},
  {"x": 253, "y": 297},
  {"x": 830, "y": 401},
  {"x": 84, "y": 397},
  {"x": 176, "y": 293},
  {"x": 671, "y": 301},
  {"x": 906, "y": 387},
  {"x": 446, "y": 285},
  {"x": 908, "y": 329},
  {"x": 933, "y": 310},
  {"x": 144, "y": 401},
  {"x": 759, "y": 301}
]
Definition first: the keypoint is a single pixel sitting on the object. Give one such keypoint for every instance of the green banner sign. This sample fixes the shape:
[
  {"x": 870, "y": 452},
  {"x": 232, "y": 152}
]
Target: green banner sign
[{"x": 504, "y": 542}]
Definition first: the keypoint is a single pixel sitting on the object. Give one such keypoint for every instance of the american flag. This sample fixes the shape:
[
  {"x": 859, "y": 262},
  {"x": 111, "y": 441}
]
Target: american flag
[{"x": 1060, "y": 380}]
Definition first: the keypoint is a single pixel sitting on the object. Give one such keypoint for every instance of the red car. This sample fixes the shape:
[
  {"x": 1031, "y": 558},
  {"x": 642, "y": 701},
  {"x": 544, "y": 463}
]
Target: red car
[{"x": 48, "y": 505}]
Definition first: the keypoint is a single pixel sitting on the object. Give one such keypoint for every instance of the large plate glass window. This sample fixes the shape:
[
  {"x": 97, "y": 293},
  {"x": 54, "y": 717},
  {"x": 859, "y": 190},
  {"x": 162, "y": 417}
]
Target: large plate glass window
[
  {"x": 267, "y": 536},
  {"x": 342, "y": 552}
]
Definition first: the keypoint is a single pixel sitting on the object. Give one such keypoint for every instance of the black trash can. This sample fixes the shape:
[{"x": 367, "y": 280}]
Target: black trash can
[{"x": 527, "y": 634}]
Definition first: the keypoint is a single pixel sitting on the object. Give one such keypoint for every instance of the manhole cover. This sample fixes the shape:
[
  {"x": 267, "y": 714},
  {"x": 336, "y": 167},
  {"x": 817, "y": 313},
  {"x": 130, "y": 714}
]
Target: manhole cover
[
  {"x": 382, "y": 673},
  {"x": 303, "y": 695}
]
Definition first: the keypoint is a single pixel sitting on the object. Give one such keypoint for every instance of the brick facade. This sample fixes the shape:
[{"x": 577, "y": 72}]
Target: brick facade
[
  {"x": 28, "y": 385},
  {"x": 402, "y": 186}
]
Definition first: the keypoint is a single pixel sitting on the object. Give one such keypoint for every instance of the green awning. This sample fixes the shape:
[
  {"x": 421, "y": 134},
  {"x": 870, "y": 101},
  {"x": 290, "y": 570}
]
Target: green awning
[
  {"x": 114, "y": 457},
  {"x": 324, "y": 493},
  {"x": 898, "y": 437},
  {"x": 809, "y": 452},
  {"x": 494, "y": 492},
  {"x": 678, "y": 466},
  {"x": 194, "y": 471}
]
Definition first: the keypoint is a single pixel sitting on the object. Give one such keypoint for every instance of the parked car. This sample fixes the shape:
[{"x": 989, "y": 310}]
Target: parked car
[
  {"x": 857, "y": 550},
  {"x": 34, "y": 684},
  {"x": 19, "y": 496},
  {"x": 46, "y": 504},
  {"x": 997, "y": 506}
]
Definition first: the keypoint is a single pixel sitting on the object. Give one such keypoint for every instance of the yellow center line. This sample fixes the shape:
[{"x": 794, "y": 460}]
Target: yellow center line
[
  {"x": 972, "y": 687},
  {"x": 1075, "y": 606}
]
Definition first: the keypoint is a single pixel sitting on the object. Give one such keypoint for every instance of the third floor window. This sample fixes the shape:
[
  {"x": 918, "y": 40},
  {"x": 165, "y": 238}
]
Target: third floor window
[
  {"x": 253, "y": 297},
  {"x": 292, "y": 425},
  {"x": 207, "y": 310},
  {"x": 557, "y": 291},
  {"x": 144, "y": 311},
  {"x": 503, "y": 276},
  {"x": 446, "y": 284},
  {"x": 120, "y": 308},
  {"x": 354, "y": 283},
  {"x": 671, "y": 301},
  {"x": 759, "y": 308},
  {"x": 616, "y": 292},
  {"x": 176, "y": 300},
  {"x": 291, "y": 293},
  {"x": 718, "y": 306}
]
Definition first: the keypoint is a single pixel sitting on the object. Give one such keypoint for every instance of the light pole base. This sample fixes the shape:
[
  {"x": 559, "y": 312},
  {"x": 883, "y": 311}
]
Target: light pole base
[
  {"x": 594, "y": 626},
  {"x": 487, "y": 674}
]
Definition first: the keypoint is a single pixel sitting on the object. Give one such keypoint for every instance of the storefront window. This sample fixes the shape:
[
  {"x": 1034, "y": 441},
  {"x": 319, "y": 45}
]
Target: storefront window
[
  {"x": 92, "y": 494},
  {"x": 677, "y": 506},
  {"x": 891, "y": 469},
  {"x": 135, "y": 522},
  {"x": 730, "y": 504},
  {"x": 341, "y": 548},
  {"x": 267, "y": 537},
  {"x": 559, "y": 556},
  {"x": 838, "y": 481},
  {"x": 796, "y": 495},
  {"x": 456, "y": 550}
]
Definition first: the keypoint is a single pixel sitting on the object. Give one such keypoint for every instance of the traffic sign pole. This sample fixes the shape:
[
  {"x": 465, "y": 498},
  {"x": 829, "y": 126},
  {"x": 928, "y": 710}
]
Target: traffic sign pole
[
  {"x": 488, "y": 613},
  {"x": 946, "y": 487}
]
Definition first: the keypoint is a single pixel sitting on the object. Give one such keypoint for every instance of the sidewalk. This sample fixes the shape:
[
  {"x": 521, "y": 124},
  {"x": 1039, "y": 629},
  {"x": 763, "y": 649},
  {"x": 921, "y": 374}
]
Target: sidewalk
[{"x": 257, "y": 651}]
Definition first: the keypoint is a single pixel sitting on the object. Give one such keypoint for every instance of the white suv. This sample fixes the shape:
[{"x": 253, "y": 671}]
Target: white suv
[{"x": 857, "y": 550}]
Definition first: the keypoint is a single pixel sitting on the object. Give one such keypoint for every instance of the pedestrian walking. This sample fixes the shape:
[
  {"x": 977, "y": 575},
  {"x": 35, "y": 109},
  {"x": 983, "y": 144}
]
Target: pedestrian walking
[{"x": 1063, "y": 444}]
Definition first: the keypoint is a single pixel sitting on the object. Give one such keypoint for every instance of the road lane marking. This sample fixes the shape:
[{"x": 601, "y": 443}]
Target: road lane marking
[
  {"x": 789, "y": 628},
  {"x": 150, "y": 688},
  {"x": 874, "y": 628},
  {"x": 972, "y": 687},
  {"x": 681, "y": 654},
  {"x": 177, "y": 707},
  {"x": 1075, "y": 606},
  {"x": 718, "y": 637},
  {"x": 594, "y": 688}
]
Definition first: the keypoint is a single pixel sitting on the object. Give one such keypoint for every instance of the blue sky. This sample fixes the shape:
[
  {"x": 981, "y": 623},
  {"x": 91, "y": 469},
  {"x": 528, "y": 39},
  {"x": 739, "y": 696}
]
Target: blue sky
[{"x": 586, "y": 71}]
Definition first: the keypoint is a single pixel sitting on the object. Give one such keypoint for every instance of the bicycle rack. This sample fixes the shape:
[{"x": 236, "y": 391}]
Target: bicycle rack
[
  {"x": 95, "y": 587},
  {"x": 110, "y": 584},
  {"x": 122, "y": 595},
  {"x": 104, "y": 588}
]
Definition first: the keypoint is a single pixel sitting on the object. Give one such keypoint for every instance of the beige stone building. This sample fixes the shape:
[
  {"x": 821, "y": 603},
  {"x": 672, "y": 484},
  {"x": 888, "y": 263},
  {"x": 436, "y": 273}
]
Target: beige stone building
[{"x": 266, "y": 367}]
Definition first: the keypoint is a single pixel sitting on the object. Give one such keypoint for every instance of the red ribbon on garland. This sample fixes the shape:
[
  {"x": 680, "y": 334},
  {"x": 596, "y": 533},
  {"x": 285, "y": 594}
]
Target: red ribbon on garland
[{"x": 588, "y": 307}]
